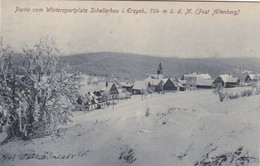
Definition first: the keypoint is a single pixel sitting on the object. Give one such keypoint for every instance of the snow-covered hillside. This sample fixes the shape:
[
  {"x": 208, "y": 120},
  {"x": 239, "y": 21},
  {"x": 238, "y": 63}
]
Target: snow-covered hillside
[{"x": 182, "y": 129}]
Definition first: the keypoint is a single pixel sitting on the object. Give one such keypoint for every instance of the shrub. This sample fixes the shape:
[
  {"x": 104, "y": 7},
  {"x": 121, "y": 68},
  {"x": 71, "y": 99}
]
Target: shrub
[
  {"x": 238, "y": 157},
  {"x": 218, "y": 89},
  {"x": 246, "y": 93},
  {"x": 255, "y": 89},
  {"x": 233, "y": 96},
  {"x": 147, "y": 112},
  {"x": 221, "y": 96},
  {"x": 127, "y": 155},
  {"x": 171, "y": 109}
]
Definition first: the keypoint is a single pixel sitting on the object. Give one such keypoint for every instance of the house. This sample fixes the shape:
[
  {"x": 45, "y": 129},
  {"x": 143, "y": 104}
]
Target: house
[
  {"x": 87, "y": 102},
  {"x": 126, "y": 86},
  {"x": 92, "y": 101},
  {"x": 189, "y": 80},
  {"x": 181, "y": 85},
  {"x": 252, "y": 78},
  {"x": 101, "y": 104},
  {"x": 227, "y": 81},
  {"x": 204, "y": 83},
  {"x": 139, "y": 87},
  {"x": 92, "y": 106},
  {"x": 169, "y": 85},
  {"x": 182, "y": 88},
  {"x": 123, "y": 94},
  {"x": 107, "y": 88},
  {"x": 195, "y": 80}
]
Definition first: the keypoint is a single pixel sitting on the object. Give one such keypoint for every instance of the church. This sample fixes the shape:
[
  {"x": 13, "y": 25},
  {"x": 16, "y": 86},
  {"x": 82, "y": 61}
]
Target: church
[
  {"x": 159, "y": 74},
  {"x": 155, "y": 81}
]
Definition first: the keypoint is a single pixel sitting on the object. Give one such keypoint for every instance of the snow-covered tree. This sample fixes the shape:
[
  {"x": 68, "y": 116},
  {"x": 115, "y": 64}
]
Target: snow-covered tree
[
  {"x": 39, "y": 97},
  {"x": 219, "y": 91},
  {"x": 9, "y": 98}
]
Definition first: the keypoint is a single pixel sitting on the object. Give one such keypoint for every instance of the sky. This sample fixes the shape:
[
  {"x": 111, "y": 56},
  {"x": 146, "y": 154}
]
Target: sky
[{"x": 163, "y": 35}]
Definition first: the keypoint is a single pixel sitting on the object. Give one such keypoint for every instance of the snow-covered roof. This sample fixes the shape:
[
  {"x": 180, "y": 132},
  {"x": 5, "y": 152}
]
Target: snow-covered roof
[
  {"x": 204, "y": 76},
  {"x": 165, "y": 80},
  {"x": 228, "y": 78},
  {"x": 120, "y": 90},
  {"x": 109, "y": 86},
  {"x": 140, "y": 85},
  {"x": 93, "y": 96},
  {"x": 175, "y": 80},
  {"x": 155, "y": 81},
  {"x": 179, "y": 85},
  {"x": 182, "y": 81},
  {"x": 190, "y": 75},
  {"x": 204, "y": 82},
  {"x": 152, "y": 81},
  {"x": 155, "y": 76},
  {"x": 104, "y": 86},
  {"x": 87, "y": 88},
  {"x": 196, "y": 75},
  {"x": 126, "y": 84},
  {"x": 101, "y": 86},
  {"x": 254, "y": 76},
  {"x": 90, "y": 97}
]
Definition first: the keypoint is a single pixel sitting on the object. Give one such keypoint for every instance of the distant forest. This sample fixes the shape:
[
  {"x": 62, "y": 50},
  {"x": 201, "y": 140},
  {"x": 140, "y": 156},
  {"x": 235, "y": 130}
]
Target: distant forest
[{"x": 126, "y": 66}]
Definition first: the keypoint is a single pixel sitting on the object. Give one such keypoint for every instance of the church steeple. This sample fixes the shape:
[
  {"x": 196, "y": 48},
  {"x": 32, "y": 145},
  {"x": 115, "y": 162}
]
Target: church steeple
[{"x": 160, "y": 70}]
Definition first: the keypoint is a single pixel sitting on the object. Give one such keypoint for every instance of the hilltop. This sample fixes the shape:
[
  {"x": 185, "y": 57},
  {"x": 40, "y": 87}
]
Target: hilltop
[
  {"x": 137, "y": 67},
  {"x": 133, "y": 67}
]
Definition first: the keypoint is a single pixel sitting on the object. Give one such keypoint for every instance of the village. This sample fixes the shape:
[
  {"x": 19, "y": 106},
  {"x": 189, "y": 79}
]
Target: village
[{"x": 106, "y": 93}]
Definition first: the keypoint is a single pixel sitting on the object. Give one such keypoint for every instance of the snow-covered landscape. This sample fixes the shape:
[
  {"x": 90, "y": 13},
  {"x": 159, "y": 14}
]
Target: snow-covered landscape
[
  {"x": 103, "y": 83},
  {"x": 51, "y": 117},
  {"x": 182, "y": 128}
]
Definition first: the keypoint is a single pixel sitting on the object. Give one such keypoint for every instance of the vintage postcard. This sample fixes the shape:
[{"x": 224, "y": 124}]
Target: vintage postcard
[{"x": 142, "y": 83}]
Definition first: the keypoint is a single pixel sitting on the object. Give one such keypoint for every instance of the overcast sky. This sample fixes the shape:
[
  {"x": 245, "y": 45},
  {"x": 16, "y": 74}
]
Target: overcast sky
[{"x": 151, "y": 34}]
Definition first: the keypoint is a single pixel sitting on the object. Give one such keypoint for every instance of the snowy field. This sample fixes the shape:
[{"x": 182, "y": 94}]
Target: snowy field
[{"x": 181, "y": 129}]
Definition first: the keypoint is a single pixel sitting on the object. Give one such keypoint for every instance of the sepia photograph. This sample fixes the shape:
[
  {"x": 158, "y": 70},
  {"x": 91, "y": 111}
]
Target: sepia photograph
[{"x": 129, "y": 83}]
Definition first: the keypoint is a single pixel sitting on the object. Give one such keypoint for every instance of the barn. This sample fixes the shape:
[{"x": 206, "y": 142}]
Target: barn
[{"x": 227, "y": 81}]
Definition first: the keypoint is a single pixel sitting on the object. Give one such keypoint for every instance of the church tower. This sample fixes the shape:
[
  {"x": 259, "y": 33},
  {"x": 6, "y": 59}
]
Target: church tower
[{"x": 159, "y": 70}]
